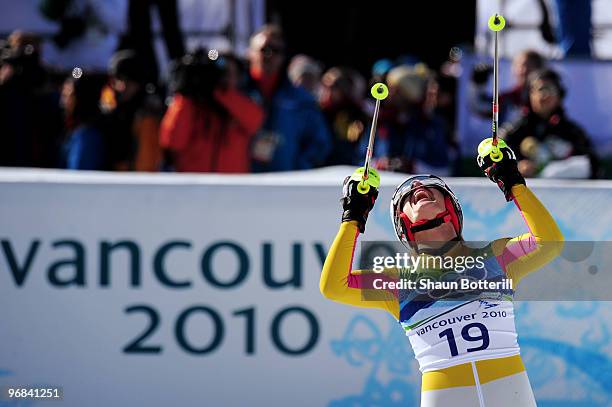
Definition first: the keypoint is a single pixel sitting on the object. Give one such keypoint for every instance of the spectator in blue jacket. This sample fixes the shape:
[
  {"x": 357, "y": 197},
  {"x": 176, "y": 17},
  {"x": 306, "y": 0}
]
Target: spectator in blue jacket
[
  {"x": 294, "y": 135},
  {"x": 84, "y": 147}
]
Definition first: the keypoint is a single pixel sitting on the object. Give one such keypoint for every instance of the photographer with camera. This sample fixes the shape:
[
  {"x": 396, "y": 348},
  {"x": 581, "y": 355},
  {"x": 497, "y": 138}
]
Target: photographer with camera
[{"x": 209, "y": 123}]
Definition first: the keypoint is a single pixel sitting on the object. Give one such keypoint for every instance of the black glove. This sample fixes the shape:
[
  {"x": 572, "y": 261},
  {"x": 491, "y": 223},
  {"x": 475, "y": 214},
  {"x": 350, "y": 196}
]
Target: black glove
[
  {"x": 504, "y": 173},
  {"x": 357, "y": 206}
]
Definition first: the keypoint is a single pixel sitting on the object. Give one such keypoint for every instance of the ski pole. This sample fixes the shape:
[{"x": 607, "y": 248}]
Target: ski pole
[
  {"x": 379, "y": 91},
  {"x": 491, "y": 146}
]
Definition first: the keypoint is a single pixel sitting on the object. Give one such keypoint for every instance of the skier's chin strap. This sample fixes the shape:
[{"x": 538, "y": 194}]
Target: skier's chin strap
[
  {"x": 411, "y": 228},
  {"x": 427, "y": 224},
  {"x": 444, "y": 217},
  {"x": 449, "y": 215}
]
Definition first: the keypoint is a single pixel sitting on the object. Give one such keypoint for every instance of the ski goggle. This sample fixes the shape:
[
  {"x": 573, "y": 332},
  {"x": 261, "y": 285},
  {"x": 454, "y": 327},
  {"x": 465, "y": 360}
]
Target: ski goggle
[{"x": 413, "y": 183}]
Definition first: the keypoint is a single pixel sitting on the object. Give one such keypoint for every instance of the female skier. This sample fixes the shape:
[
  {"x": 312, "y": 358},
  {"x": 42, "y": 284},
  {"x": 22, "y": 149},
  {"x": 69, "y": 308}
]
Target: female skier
[{"x": 465, "y": 343}]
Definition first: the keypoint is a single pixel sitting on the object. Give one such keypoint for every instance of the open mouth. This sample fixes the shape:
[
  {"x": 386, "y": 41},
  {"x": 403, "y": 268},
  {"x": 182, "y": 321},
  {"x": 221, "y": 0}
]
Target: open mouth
[{"x": 421, "y": 194}]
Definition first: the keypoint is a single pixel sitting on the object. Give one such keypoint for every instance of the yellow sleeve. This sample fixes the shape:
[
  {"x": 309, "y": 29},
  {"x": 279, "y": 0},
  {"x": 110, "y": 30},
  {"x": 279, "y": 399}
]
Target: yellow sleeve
[
  {"x": 529, "y": 252},
  {"x": 340, "y": 283}
]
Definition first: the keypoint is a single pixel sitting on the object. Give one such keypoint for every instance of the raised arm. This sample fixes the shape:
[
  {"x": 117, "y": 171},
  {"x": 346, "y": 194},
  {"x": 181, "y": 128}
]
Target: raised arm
[
  {"x": 178, "y": 124},
  {"x": 342, "y": 284},
  {"x": 246, "y": 112},
  {"x": 531, "y": 251},
  {"x": 338, "y": 281},
  {"x": 526, "y": 253}
]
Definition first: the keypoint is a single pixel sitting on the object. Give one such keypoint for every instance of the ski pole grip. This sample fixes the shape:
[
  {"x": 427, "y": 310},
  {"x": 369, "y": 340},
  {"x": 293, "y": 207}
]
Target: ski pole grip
[
  {"x": 496, "y": 22},
  {"x": 363, "y": 187},
  {"x": 364, "y": 184},
  {"x": 487, "y": 148}
]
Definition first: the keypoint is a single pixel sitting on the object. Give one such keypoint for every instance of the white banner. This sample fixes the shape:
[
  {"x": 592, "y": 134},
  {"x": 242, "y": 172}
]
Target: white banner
[{"x": 194, "y": 290}]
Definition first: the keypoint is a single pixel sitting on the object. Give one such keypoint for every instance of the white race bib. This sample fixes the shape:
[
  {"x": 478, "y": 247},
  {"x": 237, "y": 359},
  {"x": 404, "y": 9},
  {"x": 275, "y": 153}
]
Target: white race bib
[{"x": 465, "y": 332}]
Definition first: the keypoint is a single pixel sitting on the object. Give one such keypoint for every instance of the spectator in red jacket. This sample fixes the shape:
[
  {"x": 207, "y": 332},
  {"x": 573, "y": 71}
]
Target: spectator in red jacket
[{"x": 209, "y": 123}]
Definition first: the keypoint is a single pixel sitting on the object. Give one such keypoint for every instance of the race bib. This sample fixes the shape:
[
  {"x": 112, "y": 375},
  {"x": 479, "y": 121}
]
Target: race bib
[{"x": 465, "y": 332}]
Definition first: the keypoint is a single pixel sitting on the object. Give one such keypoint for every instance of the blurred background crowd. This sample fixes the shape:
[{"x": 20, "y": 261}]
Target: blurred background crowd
[{"x": 85, "y": 86}]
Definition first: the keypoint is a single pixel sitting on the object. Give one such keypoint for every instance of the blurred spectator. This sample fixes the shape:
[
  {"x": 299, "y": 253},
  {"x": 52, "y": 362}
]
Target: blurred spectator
[
  {"x": 341, "y": 107},
  {"x": 133, "y": 112},
  {"x": 294, "y": 135},
  {"x": 29, "y": 113},
  {"x": 21, "y": 62},
  {"x": 305, "y": 72},
  {"x": 139, "y": 35},
  {"x": 209, "y": 123},
  {"x": 412, "y": 136},
  {"x": 84, "y": 147},
  {"x": 19, "y": 40},
  {"x": 513, "y": 102},
  {"x": 547, "y": 143},
  {"x": 88, "y": 32}
]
